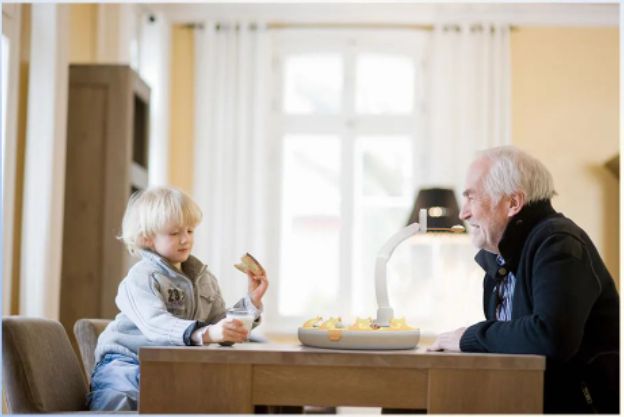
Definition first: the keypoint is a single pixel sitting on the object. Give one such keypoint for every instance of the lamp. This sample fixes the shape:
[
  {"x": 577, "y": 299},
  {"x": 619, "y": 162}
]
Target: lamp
[{"x": 441, "y": 206}]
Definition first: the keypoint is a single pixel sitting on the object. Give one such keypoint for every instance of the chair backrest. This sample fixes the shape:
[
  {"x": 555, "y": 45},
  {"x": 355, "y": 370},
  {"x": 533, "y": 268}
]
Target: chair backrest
[
  {"x": 87, "y": 332},
  {"x": 41, "y": 372}
]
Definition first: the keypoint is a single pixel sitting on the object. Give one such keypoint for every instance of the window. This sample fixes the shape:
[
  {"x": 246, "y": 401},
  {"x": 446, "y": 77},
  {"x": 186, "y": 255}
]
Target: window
[
  {"x": 313, "y": 83},
  {"x": 348, "y": 121}
]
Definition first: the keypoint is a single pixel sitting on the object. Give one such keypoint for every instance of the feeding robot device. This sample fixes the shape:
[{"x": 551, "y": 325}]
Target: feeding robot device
[{"x": 385, "y": 332}]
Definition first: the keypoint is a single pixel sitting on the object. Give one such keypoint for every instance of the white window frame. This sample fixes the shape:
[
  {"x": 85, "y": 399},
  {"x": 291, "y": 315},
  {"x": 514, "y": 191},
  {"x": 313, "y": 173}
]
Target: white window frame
[{"x": 346, "y": 124}]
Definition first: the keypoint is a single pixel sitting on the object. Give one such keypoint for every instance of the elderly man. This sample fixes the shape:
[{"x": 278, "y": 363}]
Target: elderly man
[{"x": 546, "y": 289}]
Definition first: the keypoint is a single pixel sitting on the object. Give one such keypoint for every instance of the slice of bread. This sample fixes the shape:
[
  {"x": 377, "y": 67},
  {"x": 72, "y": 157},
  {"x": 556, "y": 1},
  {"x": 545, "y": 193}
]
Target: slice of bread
[{"x": 249, "y": 263}]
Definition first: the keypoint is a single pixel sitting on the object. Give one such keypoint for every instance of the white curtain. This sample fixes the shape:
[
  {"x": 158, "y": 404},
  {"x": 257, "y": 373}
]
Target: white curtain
[
  {"x": 468, "y": 97},
  {"x": 154, "y": 58},
  {"x": 230, "y": 181}
]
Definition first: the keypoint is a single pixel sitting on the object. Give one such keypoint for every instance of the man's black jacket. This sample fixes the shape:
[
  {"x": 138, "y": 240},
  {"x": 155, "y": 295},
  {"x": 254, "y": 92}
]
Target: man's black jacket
[{"x": 565, "y": 306}]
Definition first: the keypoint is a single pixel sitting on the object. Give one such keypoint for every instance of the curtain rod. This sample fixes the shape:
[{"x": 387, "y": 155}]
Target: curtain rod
[
  {"x": 368, "y": 25},
  {"x": 319, "y": 25},
  {"x": 285, "y": 25}
]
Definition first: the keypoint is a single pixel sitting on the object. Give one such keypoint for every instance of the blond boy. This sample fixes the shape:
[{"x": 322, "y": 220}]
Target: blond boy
[{"x": 169, "y": 297}]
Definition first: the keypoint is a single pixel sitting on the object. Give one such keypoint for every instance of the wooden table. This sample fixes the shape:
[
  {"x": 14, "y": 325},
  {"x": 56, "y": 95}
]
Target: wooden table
[{"x": 216, "y": 379}]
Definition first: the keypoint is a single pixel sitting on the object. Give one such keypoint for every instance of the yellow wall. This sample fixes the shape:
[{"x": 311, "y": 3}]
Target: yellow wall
[
  {"x": 182, "y": 108},
  {"x": 565, "y": 108},
  {"x": 83, "y": 33}
]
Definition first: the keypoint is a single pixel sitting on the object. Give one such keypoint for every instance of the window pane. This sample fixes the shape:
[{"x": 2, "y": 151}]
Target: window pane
[
  {"x": 310, "y": 225},
  {"x": 313, "y": 83},
  {"x": 384, "y": 84},
  {"x": 385, "y": 166}
]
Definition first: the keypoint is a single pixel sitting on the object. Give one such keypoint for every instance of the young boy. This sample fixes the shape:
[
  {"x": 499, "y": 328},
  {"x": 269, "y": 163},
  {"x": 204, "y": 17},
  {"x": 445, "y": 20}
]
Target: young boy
[{"x": 168, "y": 298}]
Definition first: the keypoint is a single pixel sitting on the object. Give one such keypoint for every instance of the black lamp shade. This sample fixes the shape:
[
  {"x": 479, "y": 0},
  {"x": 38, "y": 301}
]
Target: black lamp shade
[{"x": 441, "y": 206}]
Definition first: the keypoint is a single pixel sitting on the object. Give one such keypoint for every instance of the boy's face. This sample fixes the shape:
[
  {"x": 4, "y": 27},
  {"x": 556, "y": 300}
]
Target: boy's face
[{"x": 174, "y": 243}]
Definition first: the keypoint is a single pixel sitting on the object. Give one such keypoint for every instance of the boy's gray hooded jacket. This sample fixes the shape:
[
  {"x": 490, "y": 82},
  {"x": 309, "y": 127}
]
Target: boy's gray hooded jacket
[{"x": 160, "y": 306}]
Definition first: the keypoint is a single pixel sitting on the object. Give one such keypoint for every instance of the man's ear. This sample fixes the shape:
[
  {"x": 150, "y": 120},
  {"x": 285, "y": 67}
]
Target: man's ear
[{"x": 516, "y": 202}]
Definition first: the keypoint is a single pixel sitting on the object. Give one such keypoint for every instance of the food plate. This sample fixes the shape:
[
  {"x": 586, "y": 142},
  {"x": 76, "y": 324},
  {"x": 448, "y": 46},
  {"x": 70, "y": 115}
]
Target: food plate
[{"x": 380, "y": 339}]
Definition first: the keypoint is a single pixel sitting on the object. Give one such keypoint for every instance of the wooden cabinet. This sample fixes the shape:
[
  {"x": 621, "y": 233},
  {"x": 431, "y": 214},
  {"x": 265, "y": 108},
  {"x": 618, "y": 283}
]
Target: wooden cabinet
[{"x": 107, "y": 159}]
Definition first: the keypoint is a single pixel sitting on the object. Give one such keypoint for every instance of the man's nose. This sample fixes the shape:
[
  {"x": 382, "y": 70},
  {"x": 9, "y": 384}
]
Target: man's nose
[{"x": 464, "y": 213}]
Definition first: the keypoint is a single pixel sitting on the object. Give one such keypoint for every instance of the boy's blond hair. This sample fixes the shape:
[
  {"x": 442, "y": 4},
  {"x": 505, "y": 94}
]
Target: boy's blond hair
[{"x": 150, "y": 211}]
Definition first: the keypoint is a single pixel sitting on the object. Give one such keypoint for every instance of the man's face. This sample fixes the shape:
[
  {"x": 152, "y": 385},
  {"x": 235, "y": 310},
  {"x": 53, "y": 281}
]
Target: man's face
[{"x": 487, "y": 219}]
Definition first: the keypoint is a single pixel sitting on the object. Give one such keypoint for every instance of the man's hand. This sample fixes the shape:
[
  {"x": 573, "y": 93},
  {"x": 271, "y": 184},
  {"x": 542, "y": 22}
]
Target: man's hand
[
  {"x": 448, "y": 341},
  {"x": 258, "y": 285}
]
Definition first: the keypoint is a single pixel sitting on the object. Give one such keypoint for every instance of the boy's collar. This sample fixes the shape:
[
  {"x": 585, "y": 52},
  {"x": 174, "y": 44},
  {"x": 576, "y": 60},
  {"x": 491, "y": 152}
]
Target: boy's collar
[{"x": 192, "y": 267}]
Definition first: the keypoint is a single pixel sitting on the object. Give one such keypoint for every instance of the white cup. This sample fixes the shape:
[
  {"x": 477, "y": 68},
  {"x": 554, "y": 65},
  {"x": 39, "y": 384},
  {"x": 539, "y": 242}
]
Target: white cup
[{"x": 243, "y": 315}]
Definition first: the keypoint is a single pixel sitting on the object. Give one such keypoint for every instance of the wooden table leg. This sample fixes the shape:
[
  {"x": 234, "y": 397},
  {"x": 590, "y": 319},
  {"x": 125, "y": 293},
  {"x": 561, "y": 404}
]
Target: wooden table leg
[
  {"x": 485, "y": 391},
  {"x": 185, "y": 387}
]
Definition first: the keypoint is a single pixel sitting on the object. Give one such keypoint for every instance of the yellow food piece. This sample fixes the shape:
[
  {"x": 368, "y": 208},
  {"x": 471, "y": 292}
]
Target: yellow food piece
[
  {"x": 367, "y": 324},
  {"x": 399, "y": 324},
  {"x": 361, "y": 324},
  {"x": 313, "y": 322},
  {"x": 332, "y": 324}
]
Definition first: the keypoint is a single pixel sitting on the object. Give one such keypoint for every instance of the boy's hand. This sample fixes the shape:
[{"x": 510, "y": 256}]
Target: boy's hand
[
  {"x": 226, "y": 330},
  {"x": 258, "y": 285},
  {"x": 258, "y": 282},
  {"x": 234, "y": 331}
]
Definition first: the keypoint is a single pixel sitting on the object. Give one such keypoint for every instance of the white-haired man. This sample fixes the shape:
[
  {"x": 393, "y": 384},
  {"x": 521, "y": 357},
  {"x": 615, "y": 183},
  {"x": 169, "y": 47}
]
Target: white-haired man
[{"x": 546, "y": 289}]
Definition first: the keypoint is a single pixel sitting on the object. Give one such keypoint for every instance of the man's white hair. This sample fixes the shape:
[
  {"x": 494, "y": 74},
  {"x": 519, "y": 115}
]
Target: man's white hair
[{"x": 512, "y": 170}]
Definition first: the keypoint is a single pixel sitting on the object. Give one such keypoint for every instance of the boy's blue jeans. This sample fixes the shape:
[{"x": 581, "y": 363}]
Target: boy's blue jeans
[{"x": 114, "y": 384}]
